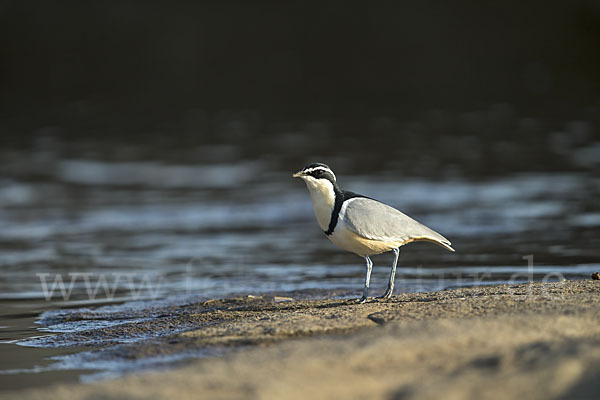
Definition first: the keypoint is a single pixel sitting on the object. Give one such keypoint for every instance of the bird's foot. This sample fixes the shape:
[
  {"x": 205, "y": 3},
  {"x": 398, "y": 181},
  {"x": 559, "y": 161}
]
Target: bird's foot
[
  {"x": 386, "y": 295},
  {"x": 362, "y": 300}
]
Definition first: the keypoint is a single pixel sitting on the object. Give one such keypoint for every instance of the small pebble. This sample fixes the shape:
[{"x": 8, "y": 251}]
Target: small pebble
[{"x": 278, "y": 299}]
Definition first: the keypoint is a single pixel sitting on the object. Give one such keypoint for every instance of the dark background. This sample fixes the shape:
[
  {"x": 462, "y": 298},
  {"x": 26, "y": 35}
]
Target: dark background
[{"x": 479, "y": 86}]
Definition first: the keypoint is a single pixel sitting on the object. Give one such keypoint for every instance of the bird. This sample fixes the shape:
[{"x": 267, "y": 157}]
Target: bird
[{"x": 362, "y": 225}]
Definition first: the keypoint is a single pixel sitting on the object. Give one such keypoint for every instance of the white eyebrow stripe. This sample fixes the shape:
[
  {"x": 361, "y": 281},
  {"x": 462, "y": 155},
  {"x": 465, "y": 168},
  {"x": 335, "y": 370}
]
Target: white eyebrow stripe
[{"x": 322, "y": 169}]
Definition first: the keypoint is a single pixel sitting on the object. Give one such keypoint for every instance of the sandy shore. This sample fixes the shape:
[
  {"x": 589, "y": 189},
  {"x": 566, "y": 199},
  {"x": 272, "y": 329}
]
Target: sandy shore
[{"x": 534, "y": 341}]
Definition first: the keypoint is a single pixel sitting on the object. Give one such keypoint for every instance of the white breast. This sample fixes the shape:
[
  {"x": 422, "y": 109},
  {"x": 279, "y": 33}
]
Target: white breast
[{"x": 323, "y": 199}]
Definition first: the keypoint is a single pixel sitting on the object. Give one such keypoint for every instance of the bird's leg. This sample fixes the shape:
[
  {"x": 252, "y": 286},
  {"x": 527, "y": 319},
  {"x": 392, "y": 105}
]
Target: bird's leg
[
  {"x": 367, "y": 280},
  {"x": 390, "y": 288}
]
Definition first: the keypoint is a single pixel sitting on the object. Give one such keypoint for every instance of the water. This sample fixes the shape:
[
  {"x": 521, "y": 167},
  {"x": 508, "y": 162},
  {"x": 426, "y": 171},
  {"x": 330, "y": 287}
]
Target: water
[{"x": 138, "y": 234}]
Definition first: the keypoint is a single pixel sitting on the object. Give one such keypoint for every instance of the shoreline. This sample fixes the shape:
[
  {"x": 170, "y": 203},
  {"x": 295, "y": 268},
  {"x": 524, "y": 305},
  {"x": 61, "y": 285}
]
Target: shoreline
[{"x": 535, "y": 340}]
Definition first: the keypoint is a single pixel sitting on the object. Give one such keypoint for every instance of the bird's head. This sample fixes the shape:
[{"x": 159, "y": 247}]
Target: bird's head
[
  {"x": 316, "y": 171},
  {"x": 318, "y": 177}
]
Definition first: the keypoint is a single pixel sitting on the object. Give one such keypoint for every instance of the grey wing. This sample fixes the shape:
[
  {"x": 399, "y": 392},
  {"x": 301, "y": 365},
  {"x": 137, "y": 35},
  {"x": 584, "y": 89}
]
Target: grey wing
[{"x": 374, "y": 220}]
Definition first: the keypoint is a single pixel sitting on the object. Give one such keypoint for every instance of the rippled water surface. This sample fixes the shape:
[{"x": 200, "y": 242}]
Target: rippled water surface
[{"x": 98, "y": 233}]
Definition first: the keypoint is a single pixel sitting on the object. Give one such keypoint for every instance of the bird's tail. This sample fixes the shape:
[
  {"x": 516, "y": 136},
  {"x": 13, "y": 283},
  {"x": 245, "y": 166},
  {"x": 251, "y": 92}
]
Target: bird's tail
[
  {"x": 445, "y": 244},
  {"x": 434, "y": 237}
]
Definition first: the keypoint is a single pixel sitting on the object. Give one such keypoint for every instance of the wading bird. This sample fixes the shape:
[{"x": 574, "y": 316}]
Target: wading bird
[{"x": 362, "y": 225}]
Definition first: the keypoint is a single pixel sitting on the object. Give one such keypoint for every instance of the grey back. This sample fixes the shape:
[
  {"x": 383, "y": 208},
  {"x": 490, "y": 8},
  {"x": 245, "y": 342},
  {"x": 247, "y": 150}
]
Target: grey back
[{"x": 374, "y": 220}]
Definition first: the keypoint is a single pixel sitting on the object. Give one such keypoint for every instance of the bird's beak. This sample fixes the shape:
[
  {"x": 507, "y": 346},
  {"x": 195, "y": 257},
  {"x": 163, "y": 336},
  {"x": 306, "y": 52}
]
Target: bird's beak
[{"x": 298, "y": 174}]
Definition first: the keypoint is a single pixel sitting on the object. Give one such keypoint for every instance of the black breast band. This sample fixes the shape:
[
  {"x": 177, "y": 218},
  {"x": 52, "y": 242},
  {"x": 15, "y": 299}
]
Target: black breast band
[{"x": 340, "y": 197}]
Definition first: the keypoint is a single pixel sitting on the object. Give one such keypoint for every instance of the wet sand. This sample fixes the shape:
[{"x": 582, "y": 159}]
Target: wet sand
[{"x": 506, "y": 341}]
